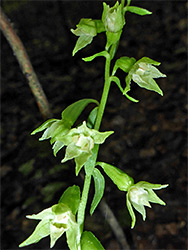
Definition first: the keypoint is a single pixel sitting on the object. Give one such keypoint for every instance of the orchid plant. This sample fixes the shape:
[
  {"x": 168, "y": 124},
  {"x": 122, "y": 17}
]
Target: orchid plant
[{"x": 82, "y": 142}]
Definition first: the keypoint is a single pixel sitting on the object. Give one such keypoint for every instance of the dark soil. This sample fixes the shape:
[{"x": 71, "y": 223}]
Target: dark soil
[{"x": 149, "y": 142}]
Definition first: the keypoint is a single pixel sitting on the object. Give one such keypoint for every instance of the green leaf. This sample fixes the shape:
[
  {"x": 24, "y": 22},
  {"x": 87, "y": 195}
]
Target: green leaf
[
  {"x": 138, "y": 10},
  {"x": 72, "y": 112},
  {"x": 131, "y": 211},
  {"x": 120, "y": 178},
  {"x": 125, "y": 63},
  {"x": 90, "y": 242},
  {"x": 92, "y": 118},
  {"x": 90, "y": 58},
  {"x": 42, "y": 230},
  {"x": 99, "y": 189},
  {"x": 45, "y": 125},
  {"x": 71, "y": 198}
]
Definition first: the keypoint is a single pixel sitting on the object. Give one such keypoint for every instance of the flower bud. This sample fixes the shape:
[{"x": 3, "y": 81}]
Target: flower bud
[{"x": 113, "y": 18}]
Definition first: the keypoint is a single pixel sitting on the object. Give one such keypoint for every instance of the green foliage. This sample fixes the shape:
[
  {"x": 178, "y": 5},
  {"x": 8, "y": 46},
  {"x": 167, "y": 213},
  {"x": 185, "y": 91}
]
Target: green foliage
[
  {"x": 99, "y": 189},
  {"x": 89, "y": 241}
]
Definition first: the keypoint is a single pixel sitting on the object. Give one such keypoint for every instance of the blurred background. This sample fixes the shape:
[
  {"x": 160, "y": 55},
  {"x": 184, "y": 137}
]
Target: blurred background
[{"x": 149, "y": 142}]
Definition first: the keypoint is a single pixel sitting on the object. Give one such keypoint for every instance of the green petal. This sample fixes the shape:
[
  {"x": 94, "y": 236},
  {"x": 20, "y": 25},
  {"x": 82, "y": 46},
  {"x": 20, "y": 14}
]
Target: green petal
[
  {"x": 141, "y": 209},
  {"x": 71, "y": 152},
  {"x": 42, "y": 230},
  {"x": 80, "y": 161},
  {"x": 154, "y": 72},
  {"x": 55, "y": 234},
  {"x": 131, "y": 212}
]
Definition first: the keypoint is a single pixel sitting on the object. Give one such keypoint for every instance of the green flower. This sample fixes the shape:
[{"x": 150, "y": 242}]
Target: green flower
[
  {"x": 139, "y": 195},
  {"x": 80, "y": 142},
  {"x": 142, "y": 73},
  {"x": 54, "y": 221},
  {"x": 113, "y": 18}
]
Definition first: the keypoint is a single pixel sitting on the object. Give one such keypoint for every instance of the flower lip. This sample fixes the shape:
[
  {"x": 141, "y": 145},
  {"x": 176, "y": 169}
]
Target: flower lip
[
  {"x": 139, "y": 196},
  {"x": 85, "y": 143}
]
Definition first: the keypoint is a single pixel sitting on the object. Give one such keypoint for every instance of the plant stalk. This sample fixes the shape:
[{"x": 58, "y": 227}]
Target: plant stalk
[{"x": 92, "y": 160}]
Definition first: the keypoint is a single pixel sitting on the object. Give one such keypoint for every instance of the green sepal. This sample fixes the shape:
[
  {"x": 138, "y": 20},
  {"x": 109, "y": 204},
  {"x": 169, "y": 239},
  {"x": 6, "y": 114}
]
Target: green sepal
[
  {"x": 45, "y": 125},
  {"x": 125, "y": 63},
  {"x": 137, "y": 10},
  {"x": 72, "y": 112},
  {"x": 72, "y": 237},
  {"x": 42, "y": 230},
  {"x": 45, "y": 214},
  {"x": 90, "y": 242},
  {"x": 92, "y": 118},
  {"x": 112, "y": 38},
  {"x": 86, "y": 30},
  {"x": 131, "y": 212},
  {"x": 71, "y": 198},
  {"x": 90, "y": 58},
  {"x": 99, "y": 189},
  {"x": 81, "y": 43},
  {"x": 119, "y": 178},
  {"x": 99, "y": 26},
  {"x": 57, "y": 146}
]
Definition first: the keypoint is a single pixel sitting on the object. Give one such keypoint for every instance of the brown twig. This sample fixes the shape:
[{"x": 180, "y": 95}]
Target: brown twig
[
  {"x": 114, "y": 224},
  {"x": 25, "y": 64}
]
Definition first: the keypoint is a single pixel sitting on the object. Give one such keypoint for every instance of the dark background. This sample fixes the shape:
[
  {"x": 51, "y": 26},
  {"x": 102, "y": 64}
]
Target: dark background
[{"x": 149, "y": 142}]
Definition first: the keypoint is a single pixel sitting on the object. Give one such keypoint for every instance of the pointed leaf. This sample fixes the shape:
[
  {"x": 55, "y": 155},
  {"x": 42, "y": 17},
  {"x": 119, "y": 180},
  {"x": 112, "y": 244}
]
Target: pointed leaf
[
  {"x": 138, "y": 10},
  {"x": 99, "y": 189},
  {"x": 90, "y": 242},
  {"x": 120, "y": 178},
  {"x": 71, "y": 198},
  {"x": 90, "y": 58},
  {"x": 92, "y": 118},
  {"x": 72, "y": 112},
  {"x": 42, "y": 230}
]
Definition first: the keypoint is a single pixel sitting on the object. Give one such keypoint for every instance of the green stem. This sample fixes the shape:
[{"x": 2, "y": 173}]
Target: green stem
[{"x": 92, "y": 160}]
